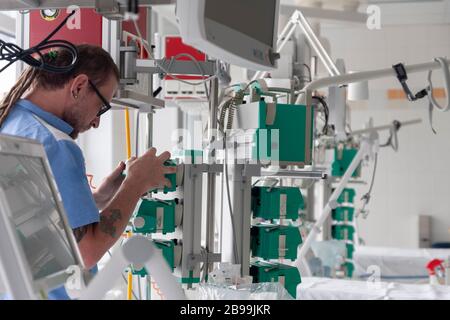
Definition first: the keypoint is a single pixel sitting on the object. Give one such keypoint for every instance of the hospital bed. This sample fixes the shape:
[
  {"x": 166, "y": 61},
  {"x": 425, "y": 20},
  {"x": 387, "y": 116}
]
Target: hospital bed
[
  {"x": 313, "y": 288},
  {"x": 396, "y": 264}
]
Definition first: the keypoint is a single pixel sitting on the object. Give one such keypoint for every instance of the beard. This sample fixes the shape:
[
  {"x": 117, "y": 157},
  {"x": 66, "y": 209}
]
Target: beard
[{"x": 76, "y": 120}]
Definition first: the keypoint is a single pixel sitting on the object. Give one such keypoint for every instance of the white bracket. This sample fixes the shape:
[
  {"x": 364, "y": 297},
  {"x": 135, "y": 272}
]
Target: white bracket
[
  {"x": 141, "y": 251},
  {"x": 299, "y": 20}
]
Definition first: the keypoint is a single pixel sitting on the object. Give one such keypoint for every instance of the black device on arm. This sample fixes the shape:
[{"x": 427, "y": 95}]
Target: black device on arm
[{"x": 402, "y": 76}]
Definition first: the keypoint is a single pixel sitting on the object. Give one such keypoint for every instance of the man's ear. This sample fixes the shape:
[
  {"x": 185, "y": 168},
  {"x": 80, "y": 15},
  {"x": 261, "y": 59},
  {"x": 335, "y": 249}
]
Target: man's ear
[{"x": 79, "y": 85}]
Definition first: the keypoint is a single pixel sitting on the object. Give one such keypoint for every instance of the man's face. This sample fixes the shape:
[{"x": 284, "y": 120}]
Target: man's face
[{"x": 82, "y": 113}]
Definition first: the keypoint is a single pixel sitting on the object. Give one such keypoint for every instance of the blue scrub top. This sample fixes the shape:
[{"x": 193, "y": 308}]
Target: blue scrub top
[{"x": 66, "y": 161}]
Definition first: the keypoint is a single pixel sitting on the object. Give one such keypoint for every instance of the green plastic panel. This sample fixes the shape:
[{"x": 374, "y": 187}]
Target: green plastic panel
[
  {"x": 190, "y": 279},
  {"x": 172, "y": 178},
  {"x": 295, "y": 133},
  {"x": 273, "y": 203},
  {"x": 342, "y": 232},
  {"x": 342, "y": 160},
  {"x": 158, "y": 216},
  {"x": 275, "y": 241},
  {"x": 344, "y": 214},
  {"x": 276, "y": 272},
  {"x": 349, "y": 269},
  {"x": 347, "y": 196},
  {"x": 350, "y": 250},
  {"x": 188, "y": 156}
]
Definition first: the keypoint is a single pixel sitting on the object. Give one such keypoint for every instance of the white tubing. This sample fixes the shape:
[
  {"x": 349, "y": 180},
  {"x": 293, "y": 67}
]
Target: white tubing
[{"x": 443, "y": 63}]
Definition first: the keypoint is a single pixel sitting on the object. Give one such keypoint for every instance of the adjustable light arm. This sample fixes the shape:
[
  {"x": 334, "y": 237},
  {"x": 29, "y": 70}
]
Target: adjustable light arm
[
  {"x": 306, "y": 93},
  {"x": 298, "y": 19}
]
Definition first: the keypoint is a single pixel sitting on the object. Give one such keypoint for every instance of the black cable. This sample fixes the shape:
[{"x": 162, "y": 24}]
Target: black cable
[
  {"x": 157, "y": 91},
  {"x": 326, "y": 110},
  {"x": 12, "y": 53},
  {"x": 392, "y": 134},
  {"x": 309, "y": 71},
  {"x": 388, "y": 142}
]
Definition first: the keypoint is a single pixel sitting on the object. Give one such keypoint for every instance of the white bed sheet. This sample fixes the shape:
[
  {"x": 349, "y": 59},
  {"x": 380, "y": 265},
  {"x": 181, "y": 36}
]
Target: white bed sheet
[
  {"x": 313, "y": 288},
  {"x": 396, "y": 262}
]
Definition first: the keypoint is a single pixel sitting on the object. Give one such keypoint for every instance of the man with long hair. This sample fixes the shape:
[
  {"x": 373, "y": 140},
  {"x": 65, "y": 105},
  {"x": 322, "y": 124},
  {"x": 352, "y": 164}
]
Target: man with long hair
[{"x": 54, "y": 109}]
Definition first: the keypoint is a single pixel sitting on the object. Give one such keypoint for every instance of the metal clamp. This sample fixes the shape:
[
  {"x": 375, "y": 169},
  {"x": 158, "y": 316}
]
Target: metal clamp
[{"x": 128, "y": 56}]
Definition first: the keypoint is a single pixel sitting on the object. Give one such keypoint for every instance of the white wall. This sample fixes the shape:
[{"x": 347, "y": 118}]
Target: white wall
[
  {"x": 414, "y": 180},
  {"x": 8, "y": 76}
]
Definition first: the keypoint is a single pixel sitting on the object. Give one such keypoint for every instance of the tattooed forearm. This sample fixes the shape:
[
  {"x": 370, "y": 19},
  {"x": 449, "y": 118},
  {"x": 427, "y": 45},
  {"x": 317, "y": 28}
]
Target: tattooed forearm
[
  {"x": 107, "y": 222},
  {"x": 80, "y": 232}
]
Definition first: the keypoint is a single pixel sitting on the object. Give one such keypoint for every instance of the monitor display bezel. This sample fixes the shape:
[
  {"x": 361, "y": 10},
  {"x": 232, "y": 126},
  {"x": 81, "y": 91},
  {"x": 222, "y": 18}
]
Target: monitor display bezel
[
  {"x": 222, "y": 42},
  {"x": 17, "y": 146}
]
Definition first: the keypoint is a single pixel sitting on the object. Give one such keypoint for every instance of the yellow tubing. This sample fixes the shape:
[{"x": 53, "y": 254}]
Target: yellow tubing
[
  {"x": 128, "y": 141},
  {"x": 127, "y": 132},
  {"x": 130, "y": 278},
  {"x": 130, "y": 286}
]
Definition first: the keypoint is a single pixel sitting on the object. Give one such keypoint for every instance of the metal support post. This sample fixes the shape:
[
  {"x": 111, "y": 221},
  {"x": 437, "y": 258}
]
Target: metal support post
[
  {"x": 211, "y": 182},
  {"x": 192, "y": 224},
  {"x": 241, "y": 195}
]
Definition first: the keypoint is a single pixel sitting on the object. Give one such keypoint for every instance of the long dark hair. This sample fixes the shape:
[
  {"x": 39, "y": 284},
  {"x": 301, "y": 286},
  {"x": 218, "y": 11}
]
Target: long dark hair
[{"x": 93, "y": 61}]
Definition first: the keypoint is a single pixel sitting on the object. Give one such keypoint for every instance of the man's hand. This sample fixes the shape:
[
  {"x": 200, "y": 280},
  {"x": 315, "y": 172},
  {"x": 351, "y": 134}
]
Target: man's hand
[
  {"x": 144, "y": 174},
  {"x": 109, "y": 186},
  {"x": 148, "y": 172}
]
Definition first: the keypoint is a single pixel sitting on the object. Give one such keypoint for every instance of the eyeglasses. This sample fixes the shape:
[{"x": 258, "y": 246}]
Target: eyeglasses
[{"x": 106, "y": 106}]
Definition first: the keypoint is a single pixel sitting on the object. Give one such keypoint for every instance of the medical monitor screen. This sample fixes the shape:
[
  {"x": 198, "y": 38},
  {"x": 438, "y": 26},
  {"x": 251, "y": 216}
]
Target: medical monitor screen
[
  {"x": 26, "y": 192},
  {"x": 254, "y": 18}
]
